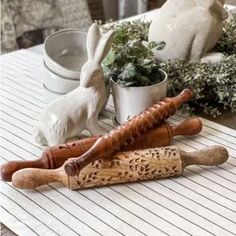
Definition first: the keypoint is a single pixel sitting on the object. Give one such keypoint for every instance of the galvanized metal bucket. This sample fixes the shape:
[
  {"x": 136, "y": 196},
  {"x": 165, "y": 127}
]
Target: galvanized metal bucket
[{"x": 130, "y": 101}]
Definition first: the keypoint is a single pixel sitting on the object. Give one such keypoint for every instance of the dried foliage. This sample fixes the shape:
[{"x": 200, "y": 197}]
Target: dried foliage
[
  {"x": 214, "y": 86},
  {"x": 227, "y": 42}
]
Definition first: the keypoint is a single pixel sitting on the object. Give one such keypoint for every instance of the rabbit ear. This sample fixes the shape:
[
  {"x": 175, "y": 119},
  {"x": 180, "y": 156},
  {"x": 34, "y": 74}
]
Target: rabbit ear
[
  {"x": 93, "y": 38},
  {"x": 103, "y": 47}
]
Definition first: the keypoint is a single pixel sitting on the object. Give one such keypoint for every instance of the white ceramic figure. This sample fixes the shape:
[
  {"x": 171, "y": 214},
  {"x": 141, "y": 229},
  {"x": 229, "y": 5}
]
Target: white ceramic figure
[
  {"x": 78, "y": 110},
  {"x": 190, "y": 28}
]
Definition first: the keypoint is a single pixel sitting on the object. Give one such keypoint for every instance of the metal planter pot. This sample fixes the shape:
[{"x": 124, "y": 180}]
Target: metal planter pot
[{"x": 130, "y": 101}]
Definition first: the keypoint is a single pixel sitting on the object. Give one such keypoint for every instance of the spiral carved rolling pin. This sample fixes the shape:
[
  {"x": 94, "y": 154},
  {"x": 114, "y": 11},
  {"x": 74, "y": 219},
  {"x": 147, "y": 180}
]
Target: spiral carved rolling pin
[
  {"x": 123, "y": 167},
  {"x": 127, "y": 133},
  {"x": 54, "y": 157}
]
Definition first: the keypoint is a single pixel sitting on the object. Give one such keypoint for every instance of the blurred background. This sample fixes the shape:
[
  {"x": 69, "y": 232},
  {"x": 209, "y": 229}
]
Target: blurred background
[{"x": 25, "y": 23}]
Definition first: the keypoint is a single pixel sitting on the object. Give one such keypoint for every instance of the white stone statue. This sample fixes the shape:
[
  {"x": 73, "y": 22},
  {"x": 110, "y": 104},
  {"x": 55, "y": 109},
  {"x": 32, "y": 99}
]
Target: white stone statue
[
  {"x": 78, "y": 110},
  {"x": 190, "y": 28}
]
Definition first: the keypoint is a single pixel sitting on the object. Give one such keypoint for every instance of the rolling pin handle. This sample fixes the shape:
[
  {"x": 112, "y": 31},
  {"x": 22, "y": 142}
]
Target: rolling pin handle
[
  {"x": 30, "y": 178},
  {"x": 10, "y": 167},
  {"x": 184, "y": 96},
  {"x": 191, "y": 126},
  {"x": 209, "y": 156}
]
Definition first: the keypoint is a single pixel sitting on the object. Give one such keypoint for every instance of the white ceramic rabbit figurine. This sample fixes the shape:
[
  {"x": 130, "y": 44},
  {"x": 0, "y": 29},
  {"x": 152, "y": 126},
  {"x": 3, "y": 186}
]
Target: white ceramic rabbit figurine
[
  {"x": 190, "y": 28},
  {"x": 78, "y": 110}
]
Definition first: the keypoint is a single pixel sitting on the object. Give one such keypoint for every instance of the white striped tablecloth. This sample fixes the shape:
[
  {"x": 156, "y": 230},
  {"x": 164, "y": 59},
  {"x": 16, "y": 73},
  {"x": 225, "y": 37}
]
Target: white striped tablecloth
[{"x": 201, "y": 202}]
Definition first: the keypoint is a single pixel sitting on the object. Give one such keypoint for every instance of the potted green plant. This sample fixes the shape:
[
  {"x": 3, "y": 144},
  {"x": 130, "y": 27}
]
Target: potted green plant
[{"x": 136, "y": 78}]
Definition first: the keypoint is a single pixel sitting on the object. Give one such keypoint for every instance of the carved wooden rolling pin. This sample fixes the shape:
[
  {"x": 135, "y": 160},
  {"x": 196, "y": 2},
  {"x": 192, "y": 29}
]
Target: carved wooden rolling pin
[
  {"x": 54, "y": 157},
  {"x": 124, "y": 167},
  {"x": 127, "y": 133}
]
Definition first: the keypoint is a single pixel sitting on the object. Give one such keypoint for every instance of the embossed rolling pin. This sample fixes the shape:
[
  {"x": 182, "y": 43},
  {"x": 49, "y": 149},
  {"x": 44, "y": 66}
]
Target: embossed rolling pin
[
  {"x": 124, "y": 167},
  {"x": 128, "y": 132},
  {"x": 54, "y": 157}
]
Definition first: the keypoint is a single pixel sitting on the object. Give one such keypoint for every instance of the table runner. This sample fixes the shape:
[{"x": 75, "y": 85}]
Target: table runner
[{"x": 201, "y": 202}]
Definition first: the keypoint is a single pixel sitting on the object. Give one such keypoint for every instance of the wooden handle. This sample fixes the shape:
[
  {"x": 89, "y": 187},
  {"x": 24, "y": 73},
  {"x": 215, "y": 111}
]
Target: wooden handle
[
  {"x": 124, "y": 167},
  {"x": 191, "y": 126},
  {"x": 127, "y": 133},
  {"x": 209, "y": 156},
  {"x": 30, "y": 178},
  {"x": 7, "y": 169},
  {"x": 54, "y": 157}
]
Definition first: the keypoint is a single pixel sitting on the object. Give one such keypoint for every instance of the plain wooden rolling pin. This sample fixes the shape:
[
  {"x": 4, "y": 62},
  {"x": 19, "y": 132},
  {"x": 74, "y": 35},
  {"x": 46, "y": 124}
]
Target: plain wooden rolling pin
[
  {"x": 54, "y": 157},
  {"x": 123, "y": 167}
]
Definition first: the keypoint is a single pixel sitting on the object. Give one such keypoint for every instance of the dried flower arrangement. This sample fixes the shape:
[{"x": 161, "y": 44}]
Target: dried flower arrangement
[{"x": 133, "y": 64}]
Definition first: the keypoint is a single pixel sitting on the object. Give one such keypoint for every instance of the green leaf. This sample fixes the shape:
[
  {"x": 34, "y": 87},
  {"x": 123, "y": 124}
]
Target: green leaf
[{"x": 128, "y": 72}]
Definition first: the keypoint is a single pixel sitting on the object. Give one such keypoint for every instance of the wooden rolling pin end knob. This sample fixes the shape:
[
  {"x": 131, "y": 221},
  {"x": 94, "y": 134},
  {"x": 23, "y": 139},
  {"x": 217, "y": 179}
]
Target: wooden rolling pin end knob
[
  {"x": 186, "y": 94},
  {"x": 10, "y": 167},
  {"x": 71, "y": 168},
  {"x": 30, "y": 178},
  {"x": 20, "y": 180},
  {"x": 191, "y": 126},
  {"x": 209, "y": 156},
  {"x": 6, "y": 172}
]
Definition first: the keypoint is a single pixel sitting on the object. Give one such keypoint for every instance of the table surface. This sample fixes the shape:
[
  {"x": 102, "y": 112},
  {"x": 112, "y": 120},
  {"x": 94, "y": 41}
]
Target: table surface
[{"x": 227, "y": 119}]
